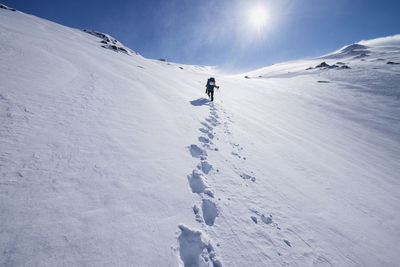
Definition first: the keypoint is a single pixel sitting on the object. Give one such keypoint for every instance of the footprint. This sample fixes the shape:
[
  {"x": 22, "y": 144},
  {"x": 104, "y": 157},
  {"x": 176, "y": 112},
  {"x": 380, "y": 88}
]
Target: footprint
[
  {"x": 196, "y": 211},
  {"x": 207, "y": 132},
  {"x": 204, "y": 140},
  {"x": 235, "y": 154},
  {"x": 205, "y": 166},
  {"x": 196, "y": 151},
  {"x": 206, "y": 146},
  {"x": 235, "y": 145},
  {"x": 210, "y": 212},
  {"x": 248, "y": 177},
  {"x": 254, "y": 218},
  {"x": 287, "y": 243},
  {"x": 203, "y": 130},
  {"x": 207, "y": 126},
  {"x": 212, "y": 121},
  {"x": 264, "y": 219},
  {"x": 267, "y": 220},
  {"x": 197, "y": 182},
  {"x": 195, "y": 249}
]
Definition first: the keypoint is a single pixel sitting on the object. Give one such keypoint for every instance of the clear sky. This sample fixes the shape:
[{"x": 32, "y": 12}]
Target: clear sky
[{"x": 228, "y": 34}]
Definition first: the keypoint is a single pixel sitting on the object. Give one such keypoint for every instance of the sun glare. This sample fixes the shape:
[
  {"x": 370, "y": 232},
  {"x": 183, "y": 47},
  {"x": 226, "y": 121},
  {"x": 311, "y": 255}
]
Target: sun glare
[{"x": 258, "y": 17}]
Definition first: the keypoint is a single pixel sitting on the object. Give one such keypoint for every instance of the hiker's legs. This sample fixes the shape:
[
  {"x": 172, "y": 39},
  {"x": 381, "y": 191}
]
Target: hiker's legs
[{"x": 212, "y": 95}]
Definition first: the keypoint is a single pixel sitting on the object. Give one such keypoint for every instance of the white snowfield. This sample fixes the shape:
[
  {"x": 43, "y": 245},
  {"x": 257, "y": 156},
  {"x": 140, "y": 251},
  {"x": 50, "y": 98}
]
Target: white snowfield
[{"x": 111, "y": 159}]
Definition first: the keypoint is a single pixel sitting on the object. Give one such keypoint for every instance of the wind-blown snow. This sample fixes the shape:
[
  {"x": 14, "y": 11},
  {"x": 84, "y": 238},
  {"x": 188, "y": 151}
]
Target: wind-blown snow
[
  {"x": 383, "y": 41},
  {"x": 111, "y": 159}
]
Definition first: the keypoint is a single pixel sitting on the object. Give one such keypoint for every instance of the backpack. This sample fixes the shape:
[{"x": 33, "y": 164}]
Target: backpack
[{"x": 209, "y": 86}]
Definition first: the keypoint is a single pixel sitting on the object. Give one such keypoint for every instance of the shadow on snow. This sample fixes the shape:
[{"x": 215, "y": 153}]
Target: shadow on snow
[{"x": 200, "y": 102}]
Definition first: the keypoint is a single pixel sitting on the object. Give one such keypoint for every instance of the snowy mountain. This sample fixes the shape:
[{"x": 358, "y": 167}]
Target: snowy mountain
[{"x": 111, "y": 159}]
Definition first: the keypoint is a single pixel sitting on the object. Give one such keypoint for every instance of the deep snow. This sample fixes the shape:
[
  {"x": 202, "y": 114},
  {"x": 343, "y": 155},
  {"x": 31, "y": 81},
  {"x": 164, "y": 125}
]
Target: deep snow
[{"x": 108, "y": 158}]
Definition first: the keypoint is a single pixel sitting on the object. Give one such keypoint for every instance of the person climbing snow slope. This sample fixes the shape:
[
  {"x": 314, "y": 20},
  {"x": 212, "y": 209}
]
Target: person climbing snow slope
[{"x": 210, "y": 88}]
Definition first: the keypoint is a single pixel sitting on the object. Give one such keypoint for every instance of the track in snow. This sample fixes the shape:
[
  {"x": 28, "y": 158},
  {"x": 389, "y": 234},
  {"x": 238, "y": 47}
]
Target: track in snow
[{"x": 207, "y": 211}]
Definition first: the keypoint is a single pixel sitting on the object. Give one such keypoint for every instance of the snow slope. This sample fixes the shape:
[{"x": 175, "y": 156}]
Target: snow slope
[{"x": 108, "y": 158}]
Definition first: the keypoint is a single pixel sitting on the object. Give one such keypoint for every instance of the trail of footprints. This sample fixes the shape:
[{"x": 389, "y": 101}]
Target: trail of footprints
[
  {"x": 207, "y": 212},
  {"x": 194, "y": 246}
]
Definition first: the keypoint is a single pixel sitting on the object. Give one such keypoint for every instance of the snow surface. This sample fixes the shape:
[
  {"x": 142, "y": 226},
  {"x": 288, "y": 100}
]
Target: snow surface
[{"x": 111, "y": 159}]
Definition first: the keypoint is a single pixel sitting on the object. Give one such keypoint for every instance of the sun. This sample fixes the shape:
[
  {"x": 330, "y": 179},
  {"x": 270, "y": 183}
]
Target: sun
[{"x": 258, "y": 17}]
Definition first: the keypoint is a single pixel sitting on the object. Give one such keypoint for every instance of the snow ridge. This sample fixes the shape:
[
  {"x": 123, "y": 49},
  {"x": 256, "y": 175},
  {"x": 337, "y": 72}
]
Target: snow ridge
[
  {"x": 7, "y": 8},
  {"x": 111, "y": 43},
  {"x": 355, "y": 51}
]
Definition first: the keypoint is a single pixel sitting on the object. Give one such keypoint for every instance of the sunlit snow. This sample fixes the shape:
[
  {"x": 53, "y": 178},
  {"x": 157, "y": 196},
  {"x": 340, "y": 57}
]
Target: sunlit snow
[{"x": 111, "y": 159}]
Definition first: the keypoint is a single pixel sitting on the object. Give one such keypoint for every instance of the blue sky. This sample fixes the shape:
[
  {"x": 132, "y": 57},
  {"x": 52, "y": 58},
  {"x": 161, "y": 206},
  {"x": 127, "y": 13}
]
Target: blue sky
[{"x": 218, "y": 32}]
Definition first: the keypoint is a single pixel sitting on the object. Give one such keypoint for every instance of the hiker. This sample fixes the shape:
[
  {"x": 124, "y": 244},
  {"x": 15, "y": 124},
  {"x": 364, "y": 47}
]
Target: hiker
[{"x": 210, "y": 88}]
